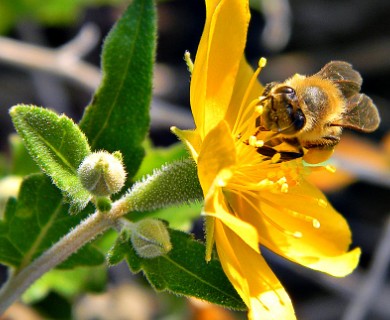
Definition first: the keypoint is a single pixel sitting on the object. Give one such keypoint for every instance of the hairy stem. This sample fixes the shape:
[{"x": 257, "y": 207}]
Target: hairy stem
[{"x": 85, "y": 232}]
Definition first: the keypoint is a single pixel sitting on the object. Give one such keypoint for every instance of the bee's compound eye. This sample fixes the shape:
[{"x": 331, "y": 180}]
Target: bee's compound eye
[
  {"x": 299, "y": 119},
  {"x": 285, "y": 90}
]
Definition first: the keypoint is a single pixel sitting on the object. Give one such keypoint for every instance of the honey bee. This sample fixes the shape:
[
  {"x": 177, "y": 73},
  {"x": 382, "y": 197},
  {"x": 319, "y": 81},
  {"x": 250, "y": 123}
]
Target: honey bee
[{"x": 305, "y": 115}]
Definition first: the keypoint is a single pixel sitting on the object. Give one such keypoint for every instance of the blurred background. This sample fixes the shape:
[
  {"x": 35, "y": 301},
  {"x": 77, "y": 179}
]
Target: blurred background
[{"x": 41, "y": 39}]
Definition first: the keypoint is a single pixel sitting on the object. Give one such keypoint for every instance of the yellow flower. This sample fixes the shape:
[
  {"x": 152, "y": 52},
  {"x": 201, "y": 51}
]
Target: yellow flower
[{"x": 251, "y": 200}]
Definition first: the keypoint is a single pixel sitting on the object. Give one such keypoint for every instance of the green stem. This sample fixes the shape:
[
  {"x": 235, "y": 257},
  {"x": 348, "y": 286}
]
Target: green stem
[
  {"x": 85, "y": 232},
  {"x": 172, "y": 184}
]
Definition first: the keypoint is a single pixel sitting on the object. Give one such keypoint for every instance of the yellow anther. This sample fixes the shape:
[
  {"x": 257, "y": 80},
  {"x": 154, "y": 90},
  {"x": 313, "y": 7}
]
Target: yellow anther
[
  {"x": 252, "y": 141},
  {"x": 189, "y": 63},
  {"x": 262, "y": 62},
  {"x": 284, "y": 188},
  {"x": 282, "y": 180},
  {"x": 259, "y": 143},
  {"x": 259, "y": 109}
]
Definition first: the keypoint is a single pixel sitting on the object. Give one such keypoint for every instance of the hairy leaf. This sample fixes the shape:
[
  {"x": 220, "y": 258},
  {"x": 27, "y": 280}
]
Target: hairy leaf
[
  {"x": 57, "y": 145},
  {"x": 36, "y": 220},
  {"x": 118, "y": 116},
  {"x": 182, "y": 271}
]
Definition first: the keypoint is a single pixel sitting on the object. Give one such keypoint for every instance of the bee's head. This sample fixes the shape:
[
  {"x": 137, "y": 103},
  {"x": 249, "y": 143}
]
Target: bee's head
[{"x": 282, "y": 112}]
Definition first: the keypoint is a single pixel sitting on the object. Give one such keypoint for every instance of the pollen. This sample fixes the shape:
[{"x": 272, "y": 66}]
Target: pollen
[
  {"x": 259, "y": 109},
  {"x": 254, "y": 142},
  {"x": 284, "y": 188}
]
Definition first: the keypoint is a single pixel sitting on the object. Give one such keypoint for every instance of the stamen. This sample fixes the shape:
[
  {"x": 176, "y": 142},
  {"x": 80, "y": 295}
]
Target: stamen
[
  {"x": 259, "y": 143},
  {"x": 261, "y": 64},
  {"x": 189, "y": 63},
  {"x": 282, "y": 180},
  {"x": 254, "y": 142}
]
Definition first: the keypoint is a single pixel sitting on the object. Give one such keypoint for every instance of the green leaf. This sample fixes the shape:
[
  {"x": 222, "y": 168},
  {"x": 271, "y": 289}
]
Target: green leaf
[
  {"x": 57, "y": 145},
  {"x": 118, "y": 117},
  {"x": 182, "y": 271},
  {"x": 37, "y": 220}
]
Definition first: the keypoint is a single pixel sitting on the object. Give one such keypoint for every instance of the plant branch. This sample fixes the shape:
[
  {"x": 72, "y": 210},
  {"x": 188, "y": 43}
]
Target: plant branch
[
  {"x": 85, "y": 232},
  {"x": 64, "y": 61}
]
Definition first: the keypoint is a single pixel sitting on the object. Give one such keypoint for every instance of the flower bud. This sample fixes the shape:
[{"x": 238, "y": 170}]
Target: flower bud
[
  {"x": 102, "y": 173},
  {"x": 150, "y": 238}
]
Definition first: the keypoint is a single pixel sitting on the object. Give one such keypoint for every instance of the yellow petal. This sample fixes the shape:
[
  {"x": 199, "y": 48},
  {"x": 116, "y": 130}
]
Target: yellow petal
[
  {"x": 217, "y": 61},
  {"x": 191, "y": 140},
  {"x": 216, "y": 206},
  {"x": 302, "y": 226},
  {"x": 240, "y": 89},
  {"x": 251, "y": 277},
  {"x": 217, "y": 153}
]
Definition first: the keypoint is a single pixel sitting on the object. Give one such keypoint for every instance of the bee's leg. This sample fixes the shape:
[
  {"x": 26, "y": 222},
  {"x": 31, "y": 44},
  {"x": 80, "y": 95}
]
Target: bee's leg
[
  {"x": 274, "y": 142},
  {"x": 327, "y": 142},
  {"x": 290, "y": 155},
  {"x": 269, "y": 152}
]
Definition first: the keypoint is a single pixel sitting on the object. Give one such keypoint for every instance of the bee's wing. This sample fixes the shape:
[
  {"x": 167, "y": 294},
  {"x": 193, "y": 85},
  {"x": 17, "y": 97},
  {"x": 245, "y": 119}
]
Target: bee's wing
[
  {"x": 360, "y": 114},
  {"x": 343, "y": 75}
]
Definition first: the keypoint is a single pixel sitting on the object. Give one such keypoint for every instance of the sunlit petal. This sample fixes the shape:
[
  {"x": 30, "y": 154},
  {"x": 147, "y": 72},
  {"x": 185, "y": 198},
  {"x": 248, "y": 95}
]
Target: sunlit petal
[
  {"x": 252, "y": 278},
  {"x": 217, "y": 153},
  {"x": 191, "y": 140},
  {"x": 216, "y": 207},
  {"x": 303, "y": 227},
  {"x": 244, "y": 76},
  {"x": 217, "y": 61}
]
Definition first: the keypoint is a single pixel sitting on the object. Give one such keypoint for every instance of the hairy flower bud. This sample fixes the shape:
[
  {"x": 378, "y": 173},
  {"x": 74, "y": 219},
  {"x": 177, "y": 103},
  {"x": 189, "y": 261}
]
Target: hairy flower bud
[
  {"x": 102, "y": 173},
  {"x": 150, "y": 238}
]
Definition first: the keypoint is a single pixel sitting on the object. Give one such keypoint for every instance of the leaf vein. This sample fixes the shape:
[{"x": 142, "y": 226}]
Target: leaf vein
[{"x": 122, "y": 81}]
